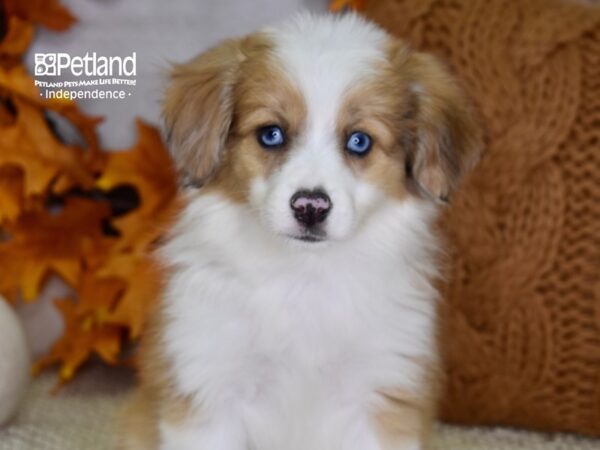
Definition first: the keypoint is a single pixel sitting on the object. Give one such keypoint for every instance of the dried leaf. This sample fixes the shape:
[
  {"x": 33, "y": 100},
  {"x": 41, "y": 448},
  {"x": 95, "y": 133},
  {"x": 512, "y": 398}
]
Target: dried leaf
[
  {"x": 7, "y": 114},
  {"x": 16, "y": 82},
  {"x": 49, "y": 13},
  {"x": 143, "y": 283},
  {"x": 31, "y": 145},
  {"x": 11, "y": 192},
  {"x": 98, "y": 296},
  {"x": 82, "y": 338},
  {"x": 44, "y": 241},
  {"x": 147, "y": 167},
  {"x": 17, "y": 39}
]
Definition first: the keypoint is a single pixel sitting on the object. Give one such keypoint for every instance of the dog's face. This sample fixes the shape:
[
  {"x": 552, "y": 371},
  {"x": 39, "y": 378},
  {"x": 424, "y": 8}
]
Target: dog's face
[{"x": 315, "y": 125}]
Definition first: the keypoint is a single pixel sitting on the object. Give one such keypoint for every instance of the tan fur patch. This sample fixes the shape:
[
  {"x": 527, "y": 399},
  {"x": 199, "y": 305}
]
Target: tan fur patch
[
  {"x": 424, "y": 135},
  {"x": 154, "y": 400},
  {"x": 139, "y": 424},
  {"x": 408, "y": 416},
  {"x": 198, "y": 106},
  {"x": 214, "y": 106},
  {"x": 377, "y": 106},
  {"x": 443, "y": 140},
  {"x": 371, "y": 109},
  {"x": 263, "y": 96}
]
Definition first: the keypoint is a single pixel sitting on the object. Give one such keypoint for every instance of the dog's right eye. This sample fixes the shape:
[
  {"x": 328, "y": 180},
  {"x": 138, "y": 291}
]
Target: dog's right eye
[{"x": 271, "y": 137}]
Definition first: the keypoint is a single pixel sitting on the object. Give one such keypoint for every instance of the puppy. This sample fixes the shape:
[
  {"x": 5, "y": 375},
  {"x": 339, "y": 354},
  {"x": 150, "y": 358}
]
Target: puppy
[{"x": 299, "y": 311}]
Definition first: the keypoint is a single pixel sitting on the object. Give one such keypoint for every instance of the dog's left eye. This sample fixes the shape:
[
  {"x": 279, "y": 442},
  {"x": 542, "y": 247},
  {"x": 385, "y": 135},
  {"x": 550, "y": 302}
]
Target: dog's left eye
[
  {"x": 271, "y": 136},
  {"x": 359, "y": 143}
]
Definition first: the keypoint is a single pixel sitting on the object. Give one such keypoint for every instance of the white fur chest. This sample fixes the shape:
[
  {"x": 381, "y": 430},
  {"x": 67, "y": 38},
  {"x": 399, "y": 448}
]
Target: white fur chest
[{"x": 287, "y": 339}]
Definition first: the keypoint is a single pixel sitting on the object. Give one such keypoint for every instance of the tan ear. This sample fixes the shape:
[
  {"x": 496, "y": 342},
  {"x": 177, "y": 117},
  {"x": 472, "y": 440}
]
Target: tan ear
[
  {"x": 198, "y": 109},
  {"x": 445, "y": 141}
]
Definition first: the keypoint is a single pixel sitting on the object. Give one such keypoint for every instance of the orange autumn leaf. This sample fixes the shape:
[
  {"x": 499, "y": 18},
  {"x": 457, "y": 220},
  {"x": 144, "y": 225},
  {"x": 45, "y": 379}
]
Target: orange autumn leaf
[
  {"x": 82, "y": 337},
  {"x": 44, "y": 241},
  {"x": 7, "y": 116},
  {"x": 11, "y": 192},
  {"x": 16, "y": 82},
  {"x": 148, "y": 167},
  {"x": 30, "y": 144},
  {"x": 98, "y": 296},
  {"x": 49, "y": 13},
  {"x": 144, "y": 282},
  {"x": 17, "y": 39},
  {"x": 340, "y": 5}
]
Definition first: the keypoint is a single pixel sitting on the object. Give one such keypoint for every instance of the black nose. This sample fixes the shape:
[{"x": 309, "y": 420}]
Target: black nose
[{"x": 310, "y": 207}]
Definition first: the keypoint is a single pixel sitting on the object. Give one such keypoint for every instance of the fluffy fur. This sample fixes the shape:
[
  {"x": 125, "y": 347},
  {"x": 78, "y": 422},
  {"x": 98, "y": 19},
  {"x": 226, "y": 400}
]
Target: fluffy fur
[{"x": 263, "y": 340}]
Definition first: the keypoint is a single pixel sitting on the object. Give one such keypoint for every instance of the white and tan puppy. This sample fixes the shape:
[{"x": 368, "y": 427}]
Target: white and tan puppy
[{"x": 299, "y": 311}]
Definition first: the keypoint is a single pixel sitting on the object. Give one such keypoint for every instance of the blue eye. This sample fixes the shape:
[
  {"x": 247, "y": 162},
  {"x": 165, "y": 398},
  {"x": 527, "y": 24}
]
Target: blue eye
[
  {"x": 271, "y": 136},
  {"x": 359, "y": 143}
]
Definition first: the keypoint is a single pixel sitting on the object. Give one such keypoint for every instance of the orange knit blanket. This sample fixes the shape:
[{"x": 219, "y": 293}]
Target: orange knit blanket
[{"x": 522, "y": 314}]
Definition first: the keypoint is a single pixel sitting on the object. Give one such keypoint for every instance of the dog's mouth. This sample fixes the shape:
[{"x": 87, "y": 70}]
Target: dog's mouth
[{"x": 309, "y": 236}]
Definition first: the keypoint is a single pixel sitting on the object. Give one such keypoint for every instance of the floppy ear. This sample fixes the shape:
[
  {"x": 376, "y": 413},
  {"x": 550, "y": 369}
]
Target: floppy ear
[
  {"x": 198, "y": 110},
  {"x": 445, "y": 140}
]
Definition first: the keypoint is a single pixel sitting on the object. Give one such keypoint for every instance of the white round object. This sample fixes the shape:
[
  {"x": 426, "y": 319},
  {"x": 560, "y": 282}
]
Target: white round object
[
  {"x": 14, "y": 362},
  {"x": 42, "y": 322}
]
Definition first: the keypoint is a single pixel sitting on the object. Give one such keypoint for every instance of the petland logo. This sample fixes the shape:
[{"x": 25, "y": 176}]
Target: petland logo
[
  {"x": 95, "y": 76},
  {"x": 54, "y": 64}
]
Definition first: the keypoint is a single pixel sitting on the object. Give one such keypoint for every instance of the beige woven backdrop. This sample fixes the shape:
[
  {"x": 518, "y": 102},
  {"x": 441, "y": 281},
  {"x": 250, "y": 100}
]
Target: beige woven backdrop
[{"x": 82, "y": 416}]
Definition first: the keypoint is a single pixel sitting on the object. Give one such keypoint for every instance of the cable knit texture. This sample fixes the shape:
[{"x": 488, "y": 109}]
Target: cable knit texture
[{"x": 521, "y": 333}]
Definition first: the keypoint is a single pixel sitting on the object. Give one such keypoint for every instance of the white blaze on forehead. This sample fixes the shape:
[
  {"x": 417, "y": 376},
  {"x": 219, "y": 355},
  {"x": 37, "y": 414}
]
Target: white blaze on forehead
[{"x": 324, "y": 56}]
